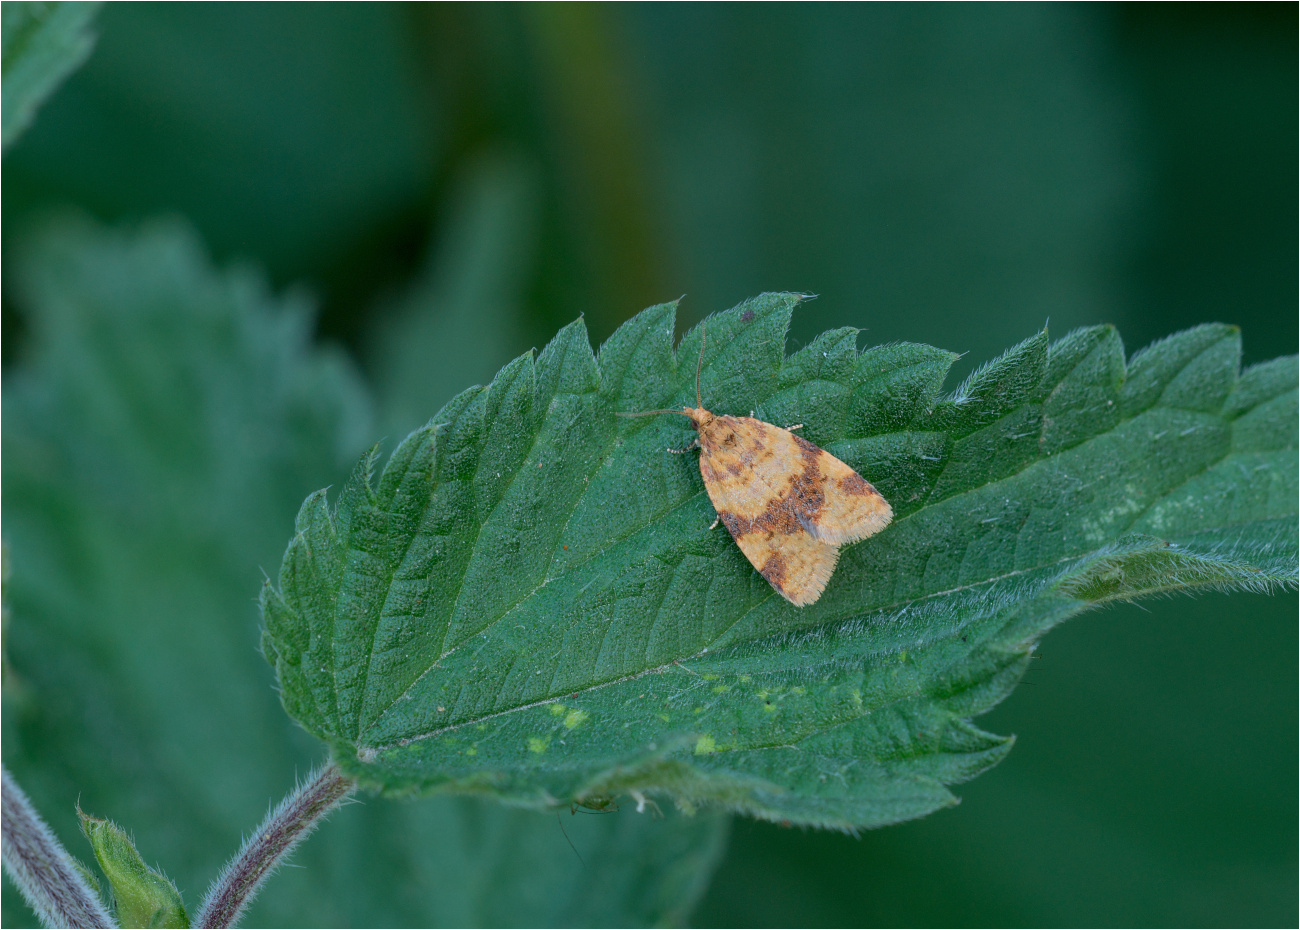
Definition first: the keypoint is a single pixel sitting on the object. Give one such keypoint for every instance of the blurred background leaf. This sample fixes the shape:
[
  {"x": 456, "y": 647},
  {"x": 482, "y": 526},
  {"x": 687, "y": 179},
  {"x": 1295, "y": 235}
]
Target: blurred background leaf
[
  {"x": 42, "y": 44},
  {"x": 952, "y": 175},
  {"x": 167, "y": 419}
]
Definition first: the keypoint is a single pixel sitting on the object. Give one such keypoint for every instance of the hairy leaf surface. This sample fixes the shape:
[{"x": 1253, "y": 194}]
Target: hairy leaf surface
[{"x": 529, "y": 601}]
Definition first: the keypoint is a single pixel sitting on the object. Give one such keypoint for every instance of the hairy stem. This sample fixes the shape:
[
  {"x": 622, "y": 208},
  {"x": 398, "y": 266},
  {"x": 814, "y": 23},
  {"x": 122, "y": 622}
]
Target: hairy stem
[
  {"x": 264, "y": 851},
  {"x": 42, "y": 868}
]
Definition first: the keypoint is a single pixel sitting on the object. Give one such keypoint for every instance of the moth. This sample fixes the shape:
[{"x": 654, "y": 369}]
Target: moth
[{"x": 788, "y": 504}]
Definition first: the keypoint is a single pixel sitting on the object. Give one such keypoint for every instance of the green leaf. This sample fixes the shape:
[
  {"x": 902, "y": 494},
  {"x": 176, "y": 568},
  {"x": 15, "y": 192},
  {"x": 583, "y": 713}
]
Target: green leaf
[
  {"x": 142, "y": 897},
  {"x": 529, "y": 603},
  {"x": 42, "y": 44},
  {"x": 165, "y": 417}
]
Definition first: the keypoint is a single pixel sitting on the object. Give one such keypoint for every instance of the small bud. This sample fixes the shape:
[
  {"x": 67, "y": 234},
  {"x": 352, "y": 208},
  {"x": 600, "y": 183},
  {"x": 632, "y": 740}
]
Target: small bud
[{"x": 142, "y": 896}]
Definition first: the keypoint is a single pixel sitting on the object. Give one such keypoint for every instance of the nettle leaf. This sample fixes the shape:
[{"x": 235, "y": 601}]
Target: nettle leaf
[{"x": 529, "y": 601}]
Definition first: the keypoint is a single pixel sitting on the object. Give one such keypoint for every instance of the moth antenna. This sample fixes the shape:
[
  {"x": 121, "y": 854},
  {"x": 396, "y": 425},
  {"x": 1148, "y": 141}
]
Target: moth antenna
[
  {"x": 699, "y": 402},
  {"x": 699, "y": 367}
]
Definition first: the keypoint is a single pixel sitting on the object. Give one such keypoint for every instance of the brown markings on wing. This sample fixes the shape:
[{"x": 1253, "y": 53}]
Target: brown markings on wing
[
  {"x": 849, "y": 508},
  {"x": 787, "y": 503},
  {"x": 797, "y": 565},
  {"x": 793, "y": 561},
  {"x": 747, "y": 463},
  {"x": 772, "y": 480}
]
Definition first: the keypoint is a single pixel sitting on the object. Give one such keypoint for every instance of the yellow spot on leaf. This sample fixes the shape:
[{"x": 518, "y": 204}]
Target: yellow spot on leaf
[
  {"x": 575, "y": 718},
  {"x": 705, "y": 744}
]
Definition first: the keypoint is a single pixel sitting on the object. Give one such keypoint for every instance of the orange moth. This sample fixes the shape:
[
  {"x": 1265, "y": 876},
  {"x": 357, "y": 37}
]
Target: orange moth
[{"x": 788, "y": 504}]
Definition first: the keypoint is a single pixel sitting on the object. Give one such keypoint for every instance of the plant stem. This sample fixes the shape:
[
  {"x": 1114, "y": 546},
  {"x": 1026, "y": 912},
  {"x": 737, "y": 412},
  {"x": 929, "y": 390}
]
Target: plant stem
[
  {"x": 264, "y": 851},
  {"x": 42, "y": 868}
]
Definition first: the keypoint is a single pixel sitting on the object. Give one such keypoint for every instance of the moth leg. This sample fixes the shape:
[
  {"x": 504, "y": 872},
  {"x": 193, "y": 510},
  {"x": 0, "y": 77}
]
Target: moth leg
[
  {"x": 791, "y": 429},
  {"x": 716, "y": 521},
  {"x": 695, "y": 444}
]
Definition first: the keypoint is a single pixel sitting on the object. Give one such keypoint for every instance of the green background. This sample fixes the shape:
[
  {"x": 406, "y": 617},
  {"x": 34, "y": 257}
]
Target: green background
[{"x": 946, "y": 174}]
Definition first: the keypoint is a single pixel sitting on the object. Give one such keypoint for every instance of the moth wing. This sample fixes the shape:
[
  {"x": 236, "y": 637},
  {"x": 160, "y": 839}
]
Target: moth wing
[
  {"x": 749, "y": 479},
  {"x": 770, "y": 464},
  {"x": 796, "y": 564},
  {"x": 850, "y": 507}
]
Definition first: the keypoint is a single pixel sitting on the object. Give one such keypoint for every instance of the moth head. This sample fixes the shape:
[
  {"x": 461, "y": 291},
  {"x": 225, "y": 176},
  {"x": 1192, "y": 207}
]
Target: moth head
[{"x": 700, "y": 418}]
